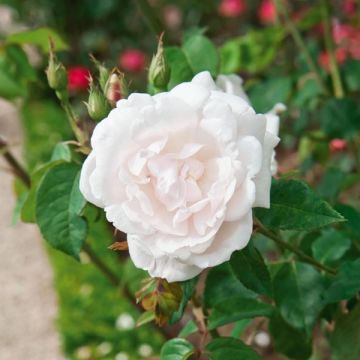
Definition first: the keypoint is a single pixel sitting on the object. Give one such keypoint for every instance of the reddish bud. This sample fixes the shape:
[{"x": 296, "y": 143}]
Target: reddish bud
[
  {"x": 337, "y": 145},
  {"x": 232, "y": 8},
  {"x": 132, "y": 60},
  {"x": 267, "y": 12},
  {"x": 78, "y": 78}
]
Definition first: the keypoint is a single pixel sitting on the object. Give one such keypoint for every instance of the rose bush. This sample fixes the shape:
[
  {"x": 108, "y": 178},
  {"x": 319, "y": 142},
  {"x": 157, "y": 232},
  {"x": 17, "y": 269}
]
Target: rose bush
[{"x": 180, "y": 171}]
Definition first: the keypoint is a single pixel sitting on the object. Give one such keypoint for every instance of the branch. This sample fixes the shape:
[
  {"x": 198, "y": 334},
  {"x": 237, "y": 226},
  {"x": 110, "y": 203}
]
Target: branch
[
  {"x": 16, "y": 168},
  {"x": 285, "y": 245}
]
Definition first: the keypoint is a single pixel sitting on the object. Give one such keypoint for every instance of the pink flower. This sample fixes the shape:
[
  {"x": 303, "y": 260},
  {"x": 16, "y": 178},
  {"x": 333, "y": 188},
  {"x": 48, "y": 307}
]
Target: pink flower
[
  {"x": 232, "y": 8},
  {"x": 132, "y": 60},
  {"x": 78, "y": 78},
  {"x": 337, "y": 145},
  {"x": 267, "y": 12}
]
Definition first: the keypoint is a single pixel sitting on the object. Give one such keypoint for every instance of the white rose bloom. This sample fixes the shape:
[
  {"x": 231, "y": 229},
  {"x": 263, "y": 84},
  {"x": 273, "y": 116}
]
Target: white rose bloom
[
  {"x": 232, "y": 84},
  {"x": 180, "y": 172}
]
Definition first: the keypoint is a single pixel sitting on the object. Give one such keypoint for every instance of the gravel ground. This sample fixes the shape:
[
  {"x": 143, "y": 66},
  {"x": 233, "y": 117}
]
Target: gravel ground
[{"x": 27, "y": 299}]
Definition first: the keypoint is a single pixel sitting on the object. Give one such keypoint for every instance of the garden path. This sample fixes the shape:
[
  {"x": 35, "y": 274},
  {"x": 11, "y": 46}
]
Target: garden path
[{"x": 27, "y": 298}]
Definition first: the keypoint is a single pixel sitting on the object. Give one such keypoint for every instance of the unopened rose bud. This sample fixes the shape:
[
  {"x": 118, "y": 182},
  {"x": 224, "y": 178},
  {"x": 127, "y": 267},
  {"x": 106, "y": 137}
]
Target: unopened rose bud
[
  {"x": 159, "y": 71},
  {"x": 56, "y": 74},
  {"x": 104, "y": 73},
  {"x": 97, "y": 105},
  {"x": 337, "y": 145},
  {"x": 116, "y": 88}
]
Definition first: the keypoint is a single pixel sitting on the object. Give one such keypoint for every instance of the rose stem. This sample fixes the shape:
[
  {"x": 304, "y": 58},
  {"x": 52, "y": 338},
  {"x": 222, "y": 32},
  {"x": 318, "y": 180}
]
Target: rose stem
[
  {"x": 294, "y": 32},
  {"x": 330, "y": 47},
  {"x": 304, "y": 257},
  {"x": 16, "y": 168}
]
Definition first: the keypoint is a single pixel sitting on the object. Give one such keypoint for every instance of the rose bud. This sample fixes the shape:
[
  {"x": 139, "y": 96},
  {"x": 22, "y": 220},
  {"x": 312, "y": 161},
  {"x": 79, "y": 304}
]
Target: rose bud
[
  {"x": 232, "y": 8},
  {"x": 132, "y": 60},
  {"x": 179, "y": 172},
  {"x": 56, "y": 74},
  {"x": 104, "y": 73},
  {"x": 337, "y": 145},
  {"x": 159, "y": 71},
  {"x": 78, "y": 78},
  {"x": 267, "y": 12},
  {"x": 97, "y": 105},
  {"x": 116, "y": 88}
]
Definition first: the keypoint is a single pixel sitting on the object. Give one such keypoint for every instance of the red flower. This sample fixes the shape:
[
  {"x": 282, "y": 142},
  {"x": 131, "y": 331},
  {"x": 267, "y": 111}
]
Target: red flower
[
  {"x": 267, "y": 12},
  {"x": 132, "y": 60},
  {"x": 349, "y": 7},
  {"x": 337, "y": 145},
  {"x": 232, "y": 8},
  {"x": 78, "y": 78}
]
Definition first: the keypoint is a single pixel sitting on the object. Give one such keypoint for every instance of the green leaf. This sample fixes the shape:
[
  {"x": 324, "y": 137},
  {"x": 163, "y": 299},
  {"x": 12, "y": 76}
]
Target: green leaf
[
  {"x": 266, "y": 94},
  {"x": 145, "y": 318},
  {"x": 176, "y": 349},
  {"x": 188, "y": 329},
  {"x": 353, "y": 219},
  {"x": 330, "y": 246},
  {"x": 61, "y": 152},
  {"x": 288, "y": 340},
  {"x": 180, "y": 68},
  {"x": 235, "y": 309},
  {"x": 331, "y": 184},
  {"x": 249, "y": 267},
  {"x": 188, "y": 287},
  {"x": 346, "y": 282},
  {"x": 340, "y": 118},
  {"x": 222, "y": 285},
  {"x": 253, "y": 52},
  {"x": 351, "y": 71},
  {"x": 294, "y": 206},
  {"x": 298, "y": 290},
  {"x": 201, "y": 54},
  {"x": 344, "y": 341},
  {"x": 10, "y": 87},
  {"x": 39, "y": 37},
  {"x": 58, "y": 207},
  {"x": 229, "y": 348},
  {"x": 28, "y": 208}
]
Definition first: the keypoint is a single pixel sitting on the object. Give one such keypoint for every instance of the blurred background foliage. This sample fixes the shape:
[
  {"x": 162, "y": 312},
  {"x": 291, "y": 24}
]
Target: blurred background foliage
[{"x": 245, "y": 39}]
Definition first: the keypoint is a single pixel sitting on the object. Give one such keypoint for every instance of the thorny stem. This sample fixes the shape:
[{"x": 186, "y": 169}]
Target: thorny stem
[
  {"x": 304, "y": 257},
  {"x": 281, "y": 9},
  {"x": 330, "y": 47},
  {"x": 16, "y": 168}
]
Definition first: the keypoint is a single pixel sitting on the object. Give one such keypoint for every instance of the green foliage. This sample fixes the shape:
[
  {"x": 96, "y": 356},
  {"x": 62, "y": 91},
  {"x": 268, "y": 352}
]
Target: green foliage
[
  {"x": 294, "y": 206},
  {"x": 230, "y": 348},
  {"x": 340, "y": 118},
  {"x": 298, "y": 290},
  {"x": 253, "y": 52},
  {"x": 188, "y": 288},
  {"x": 266, "y": 94},
  {"x": 345, "y": 284},
  {"x": 249, "y": 267},
  {"x": 344, "y": 340},
  {"x": 292, "y": 342},
  {"x": 58, "y": 207},
  {"x": 197, "y": 54},
  {"x": 330, "y": 246},
  {"x": 177, "y": 349},
  {"x": 221, "y": 285},
  {"x": 39, "y": 37},
  {"x": 237, "y": 308}
]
